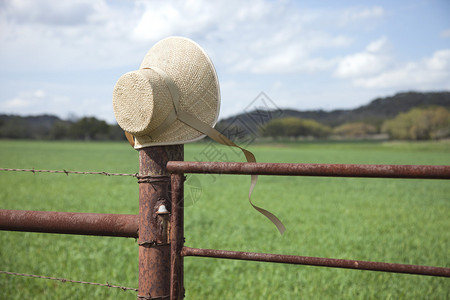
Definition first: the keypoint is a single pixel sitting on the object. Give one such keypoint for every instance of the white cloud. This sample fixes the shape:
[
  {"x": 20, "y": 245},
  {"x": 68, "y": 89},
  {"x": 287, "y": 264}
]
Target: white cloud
[
  {"x": 356, "y": 15},
  {"x": 377, "y": 46},
  {"x": 375, "y": 68},
  {"x": 54, "y": 13},
  {"x": 40, "y": 101},
  {"x": 24, "y": 100},
  {"x": 49, "y": 35},
  {"x": 371, "y": 61},
  {"x": 252, "y": 44},
  {"x": 254, "y": 36},
  {"x": 237, "y": 94},
  {"x": 155, "y": 24},
  {"x": 197, "y": 18},
  {"x": 284, "y": 50},
  {"x": 261, "y": 36},
  {"x": 428, "y": 73}
]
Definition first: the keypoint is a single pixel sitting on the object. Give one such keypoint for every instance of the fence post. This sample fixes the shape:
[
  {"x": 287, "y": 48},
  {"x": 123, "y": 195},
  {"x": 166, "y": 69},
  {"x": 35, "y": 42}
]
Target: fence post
[{"x": 154, "y": 247}]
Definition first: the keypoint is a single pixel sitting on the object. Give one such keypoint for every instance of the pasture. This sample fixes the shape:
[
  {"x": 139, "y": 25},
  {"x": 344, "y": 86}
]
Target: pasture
[{"x": 389, "y": 220}]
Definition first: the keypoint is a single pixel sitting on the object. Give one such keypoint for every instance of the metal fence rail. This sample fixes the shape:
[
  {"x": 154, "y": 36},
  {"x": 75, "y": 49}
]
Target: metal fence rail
[
  {"x": 326, "y": 170},
  {"x": 179, "y": 168},
  {"x": 70, "y": 223},
  {"x": 319, "y": 261},
  {"x": 160, "y": 223}
]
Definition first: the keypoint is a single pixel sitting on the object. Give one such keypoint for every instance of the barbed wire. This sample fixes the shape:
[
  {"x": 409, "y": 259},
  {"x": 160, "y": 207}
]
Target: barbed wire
[
  {"x": 124, "y": 288},
  {"x": 70, "y": 172}
]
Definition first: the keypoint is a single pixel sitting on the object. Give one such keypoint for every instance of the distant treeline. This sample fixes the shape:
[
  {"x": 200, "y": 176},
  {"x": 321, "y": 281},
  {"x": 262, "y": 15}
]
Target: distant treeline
[
  {"x": 430, "y": 123},
  {"x": 47, "y": 127},
  {"x": 409, "y": 116}
]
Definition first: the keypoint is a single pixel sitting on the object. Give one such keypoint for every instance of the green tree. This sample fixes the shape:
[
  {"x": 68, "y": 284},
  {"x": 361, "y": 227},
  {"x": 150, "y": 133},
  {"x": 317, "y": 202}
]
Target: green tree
[
  {"x": 274, "y": 129},
  {"x": 419, "y": 124},
  {"x": 60, "y": 130},
  {"x": 89, "y": 128},
  {"x": 294, "y": 127},
  {"x": 355, "y": 130},
  {"x": 116, "y": 133},
  {"x": 15, "y": 128}
]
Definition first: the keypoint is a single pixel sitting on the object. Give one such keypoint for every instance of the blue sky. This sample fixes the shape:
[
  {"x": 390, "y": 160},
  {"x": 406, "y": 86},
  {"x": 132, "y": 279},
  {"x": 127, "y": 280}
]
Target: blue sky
[{"x": 64, "y": 57}]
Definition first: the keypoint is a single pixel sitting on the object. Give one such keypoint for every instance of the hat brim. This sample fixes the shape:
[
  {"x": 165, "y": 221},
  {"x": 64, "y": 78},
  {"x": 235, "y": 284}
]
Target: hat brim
[{"x": 195, "y": 76}]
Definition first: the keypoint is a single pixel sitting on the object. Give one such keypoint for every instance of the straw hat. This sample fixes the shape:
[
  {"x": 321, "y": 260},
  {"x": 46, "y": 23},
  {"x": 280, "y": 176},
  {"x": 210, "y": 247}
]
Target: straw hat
[
  {"x": 176, "y": 79},
  {"x": 174, "y": 99}
]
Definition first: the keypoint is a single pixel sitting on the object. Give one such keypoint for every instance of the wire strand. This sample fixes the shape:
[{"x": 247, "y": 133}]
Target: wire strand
[
  {"x": 70, "y": 172},
  {"x": 68, "y": 280}
]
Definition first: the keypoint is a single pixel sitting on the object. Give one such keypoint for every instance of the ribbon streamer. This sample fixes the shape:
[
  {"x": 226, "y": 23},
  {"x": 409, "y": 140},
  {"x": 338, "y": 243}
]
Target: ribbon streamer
[{"x": 194, "y": 122}]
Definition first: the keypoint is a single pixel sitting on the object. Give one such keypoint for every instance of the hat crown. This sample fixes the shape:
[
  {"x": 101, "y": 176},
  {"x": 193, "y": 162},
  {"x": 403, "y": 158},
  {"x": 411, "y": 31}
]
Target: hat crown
[
  {"x": 139, "y": 101},
  {"x": 142, "y": 99}
]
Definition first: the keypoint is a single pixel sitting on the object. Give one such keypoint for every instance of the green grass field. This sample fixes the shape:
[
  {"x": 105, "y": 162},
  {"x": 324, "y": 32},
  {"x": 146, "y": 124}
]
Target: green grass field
[{"x": 401, "y": 221}]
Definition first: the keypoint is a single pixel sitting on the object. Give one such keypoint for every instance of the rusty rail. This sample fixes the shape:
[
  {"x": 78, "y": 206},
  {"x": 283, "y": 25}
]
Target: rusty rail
[
  {"x": 178, "y": 168},
  {"x": 69, "y": 223},
  {"x": 161, "y": 256},
  {"x": 326, "y": 170},
  {"x": 319, "y": 261}
]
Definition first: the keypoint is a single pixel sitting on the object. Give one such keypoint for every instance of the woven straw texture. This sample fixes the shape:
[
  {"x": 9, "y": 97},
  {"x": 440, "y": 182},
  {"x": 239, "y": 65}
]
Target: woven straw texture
[
  {"x": 134, "y": 105},
  {"x": 142, "y": 101}
]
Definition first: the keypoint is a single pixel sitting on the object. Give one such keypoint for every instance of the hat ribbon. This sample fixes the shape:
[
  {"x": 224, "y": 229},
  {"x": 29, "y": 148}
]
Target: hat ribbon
[{"x": 194, "y": 122}]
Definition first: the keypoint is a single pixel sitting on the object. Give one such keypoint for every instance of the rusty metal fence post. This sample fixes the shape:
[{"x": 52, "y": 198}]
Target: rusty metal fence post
[{"x": 154, "y": 209}]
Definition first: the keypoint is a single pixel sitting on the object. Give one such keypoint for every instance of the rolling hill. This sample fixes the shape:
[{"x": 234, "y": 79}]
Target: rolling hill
[{"x": 375, "y": 113}]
